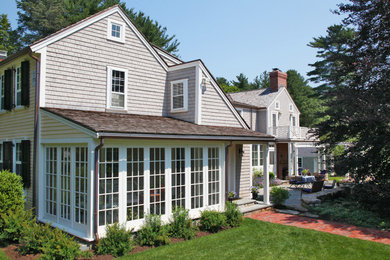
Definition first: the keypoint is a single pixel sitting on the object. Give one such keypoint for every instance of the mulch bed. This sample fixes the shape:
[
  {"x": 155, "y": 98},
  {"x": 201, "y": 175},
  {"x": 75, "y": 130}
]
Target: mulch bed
[{"x": 12, "y": 250}]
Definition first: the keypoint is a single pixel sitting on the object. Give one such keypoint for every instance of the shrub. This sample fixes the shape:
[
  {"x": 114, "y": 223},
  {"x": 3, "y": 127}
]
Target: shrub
[
  {"x": 11, "y": 192},
  {"x": 374, "y": 197},
  {"x": 181, "y": 226},
  {"x": 117, "y": 242},
  {"x": 233, "y": 215},
  {"x": 13, "y": 223},
  {"x": 257, "y": 173},
  {"x": 279, "y": 195},
  {"x": 153, "y": 233},
  {"x": 59, "y": 245},
  {"x": 271, "y": 175},
  {"x": 34, "y": 237},
  {"x": 212, "y": 221}
]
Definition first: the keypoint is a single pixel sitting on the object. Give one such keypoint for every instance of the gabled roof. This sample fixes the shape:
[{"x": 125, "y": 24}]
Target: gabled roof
[
  {"x": 260, "y": 98},
  {"x": 167, "y": 55},
  {"x": 106, "y": 124}
]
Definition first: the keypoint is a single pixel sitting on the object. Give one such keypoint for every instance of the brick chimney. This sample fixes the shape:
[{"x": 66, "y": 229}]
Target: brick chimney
[
  {"x": 3, "y": 55},
  {"x": 278, "y": 79}
]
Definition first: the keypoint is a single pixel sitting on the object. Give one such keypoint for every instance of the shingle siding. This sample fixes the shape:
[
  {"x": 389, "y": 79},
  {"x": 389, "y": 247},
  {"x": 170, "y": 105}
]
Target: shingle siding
[{"x": 76, "y": 74}]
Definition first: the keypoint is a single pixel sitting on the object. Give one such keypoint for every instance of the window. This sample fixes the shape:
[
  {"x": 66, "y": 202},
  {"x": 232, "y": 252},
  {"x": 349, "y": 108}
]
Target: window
[
  {"x": 213, "y": 175},
  {"x": 157, "y": 181},
  {"x": 179, "y": 95},
  {"x": 290, "y": 107},
  {"x": 261, "y": 155},
  {"x": 117, "y": 83},
  {"x": 18, "y": 87},
  {"x": 1, "y": 156},
  {"x": 178, "y": 177},
  {"x": 108, "y": 186},
  {"x": 277, "y": 105},
  {"x": 18, "y": 158},
  {"x": 255, "y": 155},
  {"x": 293, "y": 121},
  {"x": 299, "y": 162},
  {"x": 65, "y": 182},
  {"x": 51, "y": 181},
  {"x": 135, "y": 183},
  {"x": 81, "y": 184},
  {"x": 2, "y": 91},
  {"x": 272, "y": 157},
  {"x": 116, "y": 31},
  {"x": 196, "y": 178}
]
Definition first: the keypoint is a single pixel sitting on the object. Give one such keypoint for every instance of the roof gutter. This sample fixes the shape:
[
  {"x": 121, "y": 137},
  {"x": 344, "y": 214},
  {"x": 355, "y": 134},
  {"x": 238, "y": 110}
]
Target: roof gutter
[
  {"x": 36, "y": 128},
  {"x": 96, "y": 191}
]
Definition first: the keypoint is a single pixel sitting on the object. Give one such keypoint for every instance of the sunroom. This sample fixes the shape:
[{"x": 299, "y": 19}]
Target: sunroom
[{"x": 152, "y": 165}]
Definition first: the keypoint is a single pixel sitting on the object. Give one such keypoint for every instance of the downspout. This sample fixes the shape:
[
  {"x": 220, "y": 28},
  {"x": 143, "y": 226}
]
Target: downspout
[
  {"x": 96, "y": 191},
  {"x": 36, "y": 119},
  {"x": 226, "y": 170}
]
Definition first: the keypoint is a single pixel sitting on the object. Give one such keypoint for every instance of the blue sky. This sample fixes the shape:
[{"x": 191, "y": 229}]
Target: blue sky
[{"x": 232, "y": 36}]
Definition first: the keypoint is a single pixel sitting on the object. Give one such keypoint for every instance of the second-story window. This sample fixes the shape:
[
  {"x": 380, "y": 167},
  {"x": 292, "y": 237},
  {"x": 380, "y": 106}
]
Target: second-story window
[
  {"x": 117, "y": 88},
  {"x": 2, "y": 90},
  {"x": 290, "y": 107},
  {"x": 179, "y": 95},
  {"x": 277, "y": 105},
  {"x": 116, "y": 31},
  {"x": 18, "y": 87}
]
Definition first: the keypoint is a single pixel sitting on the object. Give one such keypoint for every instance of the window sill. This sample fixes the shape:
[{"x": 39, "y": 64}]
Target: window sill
[
  {"x": 179, "y": 110},
  {"x": 116, "y": 110},
  {"x": 116, "y": 40}
]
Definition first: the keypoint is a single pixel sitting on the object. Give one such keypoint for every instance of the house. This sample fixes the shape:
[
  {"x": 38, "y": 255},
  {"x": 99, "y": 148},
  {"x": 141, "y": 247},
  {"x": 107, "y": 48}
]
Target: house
[
  {"x": 273, "y": 111},
  {"x": 104, "y": 127}
]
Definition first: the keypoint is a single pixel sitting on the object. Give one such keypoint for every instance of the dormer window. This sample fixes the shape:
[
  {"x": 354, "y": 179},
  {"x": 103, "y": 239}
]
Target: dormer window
[
  {"x": 179, "y": 96},
  {"x": 116, "y": 88},
  {"x": 277, "y": 105},
  {"x": 291, "y": 107},
  {"x": 116, "y": 31}
]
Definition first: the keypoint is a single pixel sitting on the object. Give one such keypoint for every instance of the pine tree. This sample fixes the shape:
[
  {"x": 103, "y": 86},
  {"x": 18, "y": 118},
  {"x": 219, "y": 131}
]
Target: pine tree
[{"x": 8, "y": 37}]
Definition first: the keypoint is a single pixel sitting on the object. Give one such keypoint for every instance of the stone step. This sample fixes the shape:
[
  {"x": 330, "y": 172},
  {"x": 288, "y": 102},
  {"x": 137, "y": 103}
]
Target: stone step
[
  {"x": 254, "y": 207},
  {"x": 244, "y": 202}
]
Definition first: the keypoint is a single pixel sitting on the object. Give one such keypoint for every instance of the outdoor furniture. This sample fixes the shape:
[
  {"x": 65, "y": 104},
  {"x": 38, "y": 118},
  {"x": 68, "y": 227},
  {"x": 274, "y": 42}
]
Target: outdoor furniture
[
  {"x": 330, "y": 186},
  {"x": 296, "y": 181},
  {"x": 316, "y": 187}
]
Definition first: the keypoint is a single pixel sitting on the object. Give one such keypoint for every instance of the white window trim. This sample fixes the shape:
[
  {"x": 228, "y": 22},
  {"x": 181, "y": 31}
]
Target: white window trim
[
  {"x": 15, "y": 87},
  {"x": 1, "y": 152},
  {"x": 185, "y": 96},
  {"x": 277, "y": 105},
  {"x": 291, "y": 107},
  {"x": 109, "y": 87},
  {"x": 122, "y": 32},
  {"x": 2, "y": 79}
]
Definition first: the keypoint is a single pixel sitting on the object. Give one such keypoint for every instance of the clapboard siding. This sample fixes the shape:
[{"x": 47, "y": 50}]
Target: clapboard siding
[
  {"x": 19, "y": 124},
  {"x": 245, "y": 176},
  {"x": 284, "y": 111},
  {"x": 76, "y": 74},
  {"x": 214, "y": 110},
  {"x": 53, "y": 129},
  {"x": 190, "y": 74},
  {"x": 250, "y": 114}
]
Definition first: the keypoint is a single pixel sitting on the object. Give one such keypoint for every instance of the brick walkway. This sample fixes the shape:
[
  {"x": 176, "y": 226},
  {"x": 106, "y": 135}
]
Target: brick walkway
[{"x": 323, "y": 225}]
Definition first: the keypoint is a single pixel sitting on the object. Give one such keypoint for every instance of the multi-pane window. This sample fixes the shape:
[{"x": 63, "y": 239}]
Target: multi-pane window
[
  {"x": 271, "y": 157},
  {"x": 115, "y": 30},
  {"x": 135, "y": 183},
  {"x": 178, "y": 177},
  {"x": 179, "y": 95},
  {"x": 108, "y": 186},
  {"x": 213, "y": 175},
  {"x": 81, "y": 184},
  {"x": 157, "y": 181},
  {"x": 18, "y": 158},
  {"x": 255, "y": 155},
  {"x": 65, "y": 182},
  {"x": 2, "y": 91},
  {"x": 118, "y": 88},
  {"x": 51, "y": 180},
  {"x": 261, "y": 154},
  {"x": 196, "y": 178},
  {"x": 18, "y": 86}
]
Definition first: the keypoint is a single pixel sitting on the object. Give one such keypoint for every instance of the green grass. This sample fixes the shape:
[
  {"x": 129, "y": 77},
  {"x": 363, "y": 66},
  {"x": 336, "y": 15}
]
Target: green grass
[
  {"x": 331, "y": 178},
  {"x": 2, "y": 255},
  {"x": 263, "y": 240}
]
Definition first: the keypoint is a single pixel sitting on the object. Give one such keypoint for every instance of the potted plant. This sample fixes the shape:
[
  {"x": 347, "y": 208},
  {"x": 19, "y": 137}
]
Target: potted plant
[
  {"x": 255, "y": 193},
  {"x": 231, "y": 195},
  {"x": 305, "y": 172}
]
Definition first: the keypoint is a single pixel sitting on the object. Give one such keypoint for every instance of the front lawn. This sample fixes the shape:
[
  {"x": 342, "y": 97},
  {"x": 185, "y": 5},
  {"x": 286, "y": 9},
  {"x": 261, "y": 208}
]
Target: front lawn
[
  {"x": 338, "y": 179},
  {"x": 256, "y": 239}
]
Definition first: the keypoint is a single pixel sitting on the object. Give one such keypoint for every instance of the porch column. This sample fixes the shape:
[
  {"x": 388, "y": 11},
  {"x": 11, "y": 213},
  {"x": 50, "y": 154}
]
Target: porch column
[
  {"x": 295, "y": 159},
  {"x": 266, "y": 176},
  {"x": 289, "y": 156},
  {"x": 318, "y": 160}
]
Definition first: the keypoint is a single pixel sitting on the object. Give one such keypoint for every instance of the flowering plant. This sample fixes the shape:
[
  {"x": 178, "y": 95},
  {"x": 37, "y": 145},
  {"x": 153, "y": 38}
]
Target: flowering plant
[
  {"x": 232, "y": 194},
  {"x": 254, "y": 189}
]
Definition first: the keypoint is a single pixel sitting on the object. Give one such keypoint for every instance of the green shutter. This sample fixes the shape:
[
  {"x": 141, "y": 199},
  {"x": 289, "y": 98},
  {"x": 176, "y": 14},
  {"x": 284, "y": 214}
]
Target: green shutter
[
  {"x": 25, "y": 83},
  {"x": 25, "y": 158},
  {"x": 7, "y": 156},
  {"x": 8, "y": 104}
]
